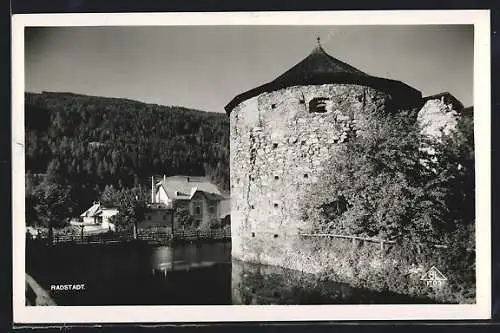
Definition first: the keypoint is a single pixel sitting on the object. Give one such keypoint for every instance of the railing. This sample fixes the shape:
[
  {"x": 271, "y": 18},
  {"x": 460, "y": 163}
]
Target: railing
[
  {"x": 185, "y": 235},
  {"x": 353, "y": 239},
  {"x": 148, "y": 236},
  {"x": 382, "y": 242}
]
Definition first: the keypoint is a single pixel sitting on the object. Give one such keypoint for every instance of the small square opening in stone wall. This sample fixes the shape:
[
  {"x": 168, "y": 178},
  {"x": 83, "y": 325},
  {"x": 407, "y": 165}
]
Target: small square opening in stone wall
[
  {"x": 276, "y": 177},
  {"x": 301, "y": 101},
  {"x": 275, "y": 205},
  {"x": 275, "y": 236},
  {"x": 253, "y": 234},
  {"x": 273, "y": 106},
  {"x": 252, "y": 206},
  {"x": 306, "y": 175},
  {"x": 275, "y": 145}
]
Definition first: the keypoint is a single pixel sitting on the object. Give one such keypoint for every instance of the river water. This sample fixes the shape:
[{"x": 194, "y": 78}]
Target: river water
[{"x": 189, "y": 274}]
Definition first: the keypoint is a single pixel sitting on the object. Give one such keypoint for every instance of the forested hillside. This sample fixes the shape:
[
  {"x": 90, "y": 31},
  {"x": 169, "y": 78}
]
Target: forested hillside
[{"x": 83, "y": 143}]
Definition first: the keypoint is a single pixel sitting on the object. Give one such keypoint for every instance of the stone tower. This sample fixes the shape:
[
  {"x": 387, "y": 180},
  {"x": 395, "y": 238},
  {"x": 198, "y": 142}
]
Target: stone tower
[{"x": 281, "y": 132}]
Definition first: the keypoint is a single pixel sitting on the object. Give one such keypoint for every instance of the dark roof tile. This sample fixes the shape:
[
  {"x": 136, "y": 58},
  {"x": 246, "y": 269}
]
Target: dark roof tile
[{"x": 321, "y": 68}]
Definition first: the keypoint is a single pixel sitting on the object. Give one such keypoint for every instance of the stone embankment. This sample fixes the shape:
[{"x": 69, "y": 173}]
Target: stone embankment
[{"x": 35, "y": 294}]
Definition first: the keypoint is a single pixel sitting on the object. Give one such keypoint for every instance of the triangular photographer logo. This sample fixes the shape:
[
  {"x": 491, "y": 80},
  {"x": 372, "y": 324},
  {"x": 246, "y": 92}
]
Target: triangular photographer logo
[{"x": 433, "y": 274}]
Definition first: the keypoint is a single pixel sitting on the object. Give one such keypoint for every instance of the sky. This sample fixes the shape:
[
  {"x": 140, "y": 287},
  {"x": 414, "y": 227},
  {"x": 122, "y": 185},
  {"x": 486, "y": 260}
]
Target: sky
[{"x": 204, "y": 67}]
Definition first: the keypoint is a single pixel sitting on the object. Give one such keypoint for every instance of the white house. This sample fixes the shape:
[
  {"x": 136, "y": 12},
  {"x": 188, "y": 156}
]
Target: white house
[
  {"x": 96, "y": 218},
  {"x": 196, "y": 194}
]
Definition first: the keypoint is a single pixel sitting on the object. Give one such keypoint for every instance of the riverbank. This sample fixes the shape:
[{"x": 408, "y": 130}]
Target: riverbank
[{"x": 363, "y": 265}]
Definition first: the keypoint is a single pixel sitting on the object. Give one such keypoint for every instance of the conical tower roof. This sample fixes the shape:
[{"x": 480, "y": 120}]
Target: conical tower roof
[
  {"x": 317, "y": 63},
  {"x": 321, "y": 68}
]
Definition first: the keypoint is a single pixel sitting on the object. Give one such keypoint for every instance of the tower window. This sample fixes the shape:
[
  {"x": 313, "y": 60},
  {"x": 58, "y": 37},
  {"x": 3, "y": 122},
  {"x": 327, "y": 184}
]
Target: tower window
[{"x": 318, "y": 105}]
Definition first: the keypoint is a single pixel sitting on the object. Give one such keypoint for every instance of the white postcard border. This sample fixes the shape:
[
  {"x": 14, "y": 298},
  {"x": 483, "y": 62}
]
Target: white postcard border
[{"x": 155, "y": 314}]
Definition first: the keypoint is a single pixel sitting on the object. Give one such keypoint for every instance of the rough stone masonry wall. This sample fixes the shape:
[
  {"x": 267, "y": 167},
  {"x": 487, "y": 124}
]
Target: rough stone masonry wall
[{"x": 277, "y": 147}]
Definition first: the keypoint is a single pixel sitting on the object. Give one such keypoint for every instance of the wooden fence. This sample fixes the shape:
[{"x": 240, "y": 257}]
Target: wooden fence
[
  {"x": 381, "y": 242},
  {"x": 354, "y": 239},
  {"x": 147, "y": 236}
]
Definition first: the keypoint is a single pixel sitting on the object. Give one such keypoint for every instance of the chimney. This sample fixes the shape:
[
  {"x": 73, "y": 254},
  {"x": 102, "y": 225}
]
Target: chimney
[{"x": 152, "y": 189}]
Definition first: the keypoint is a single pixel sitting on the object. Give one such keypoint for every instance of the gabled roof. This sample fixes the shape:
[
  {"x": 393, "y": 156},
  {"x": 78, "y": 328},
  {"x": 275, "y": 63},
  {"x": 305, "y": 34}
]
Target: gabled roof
[
  {"x": 321, "y": 68},
  {"x": 184, "y": 187},
  {"x": 94, "y": 210}
]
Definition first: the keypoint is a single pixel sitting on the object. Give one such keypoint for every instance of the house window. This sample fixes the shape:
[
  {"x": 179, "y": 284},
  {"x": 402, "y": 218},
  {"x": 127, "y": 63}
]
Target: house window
[
  {"x": 197, "y": 209},
  {"x": 212, "y": 208},
  {"x": 318, "y": 105}
]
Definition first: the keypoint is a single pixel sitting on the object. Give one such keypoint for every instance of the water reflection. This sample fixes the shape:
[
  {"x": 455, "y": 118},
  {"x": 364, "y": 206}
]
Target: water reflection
[
  {"x": 164, "y": 259},
  {"x": 260, "y": 284},
  {"x": 185, "y": 274}
]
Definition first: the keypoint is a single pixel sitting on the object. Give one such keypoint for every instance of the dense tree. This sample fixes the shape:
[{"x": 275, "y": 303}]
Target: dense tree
[
  {"x": 85, "y": 143},
  {"x": 131, "y": 205},
  {"x": 183, "y": 218},
  {"x": 383, "y": 184},
  {"x": 48, "y": 204}
]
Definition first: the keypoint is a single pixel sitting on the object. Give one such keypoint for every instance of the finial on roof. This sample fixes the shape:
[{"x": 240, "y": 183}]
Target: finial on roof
[{"x": 318, "y": 41}]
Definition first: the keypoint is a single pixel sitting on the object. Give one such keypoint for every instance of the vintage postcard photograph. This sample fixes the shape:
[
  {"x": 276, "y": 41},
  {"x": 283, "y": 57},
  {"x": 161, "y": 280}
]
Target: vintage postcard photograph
[{"x": 242, "y": 167}]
